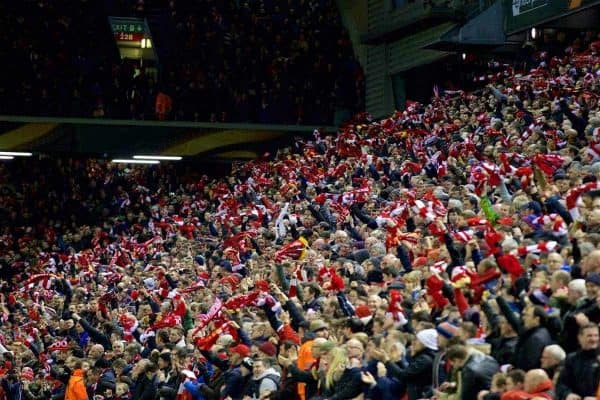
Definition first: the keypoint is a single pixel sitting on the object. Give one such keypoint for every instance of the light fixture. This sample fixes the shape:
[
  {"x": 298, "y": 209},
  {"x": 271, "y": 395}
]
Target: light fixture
[
  {"x": 533, "y": 33},
  {"x": 464, "y": 56},
  {"x": 6, "y": 157},
  {"x": 146, "y": 43},
  {"x": 15, "y": 153},
  {"x": 131, "y": 161},
  {"x": 166, "y": 158}
]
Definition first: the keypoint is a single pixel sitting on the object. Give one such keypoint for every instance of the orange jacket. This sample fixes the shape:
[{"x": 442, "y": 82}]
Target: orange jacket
[
  {"x": 76, "y": 388},
  {"x": 304, "y": 362}
]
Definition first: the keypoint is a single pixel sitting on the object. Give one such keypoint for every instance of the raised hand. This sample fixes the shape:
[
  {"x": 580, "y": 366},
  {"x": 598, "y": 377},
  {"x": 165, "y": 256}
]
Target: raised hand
[{"x": 367, "y": 378}]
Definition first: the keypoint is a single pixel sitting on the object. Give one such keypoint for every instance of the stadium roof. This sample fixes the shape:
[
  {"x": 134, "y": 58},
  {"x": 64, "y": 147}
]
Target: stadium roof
[{"x": 124, "y": 138}]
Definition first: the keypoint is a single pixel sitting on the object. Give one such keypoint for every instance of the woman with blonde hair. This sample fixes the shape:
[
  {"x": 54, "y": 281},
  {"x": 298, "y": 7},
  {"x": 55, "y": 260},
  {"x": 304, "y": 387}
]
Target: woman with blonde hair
[{"x": 342, "y": 380}]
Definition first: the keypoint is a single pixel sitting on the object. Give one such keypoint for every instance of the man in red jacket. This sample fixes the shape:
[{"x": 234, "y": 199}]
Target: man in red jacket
[{"x": 537, "y": 385}]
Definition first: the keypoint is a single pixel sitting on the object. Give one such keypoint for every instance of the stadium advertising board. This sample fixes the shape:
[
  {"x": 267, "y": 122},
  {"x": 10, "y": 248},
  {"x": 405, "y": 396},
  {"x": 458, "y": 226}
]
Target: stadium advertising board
[{"x": 522, "y": 14}]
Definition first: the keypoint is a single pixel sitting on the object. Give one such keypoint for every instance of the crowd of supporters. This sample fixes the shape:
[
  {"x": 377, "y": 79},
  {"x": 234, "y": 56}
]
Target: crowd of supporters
[
  {"x": 231, "y": 61},
  {"x": 449, "y": 251}
]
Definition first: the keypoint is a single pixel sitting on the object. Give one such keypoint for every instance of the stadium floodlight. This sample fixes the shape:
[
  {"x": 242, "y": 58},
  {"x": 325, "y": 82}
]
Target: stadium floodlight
[
  {"x": 6, "y": 157},
  {"x": 165, "y": 158},
  {"x": 533, "y": 33},
  {"x": 132, "y": 161},
  {"x": 15, "y": 153}
]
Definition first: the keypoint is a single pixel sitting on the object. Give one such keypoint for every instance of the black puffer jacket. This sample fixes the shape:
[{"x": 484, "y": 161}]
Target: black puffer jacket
[
  {"x": 580, "y": 375},
  {"x": 503, "y": 348},
  {"x": 476, "y": 374},
  {"x": 418, "y": 375}
]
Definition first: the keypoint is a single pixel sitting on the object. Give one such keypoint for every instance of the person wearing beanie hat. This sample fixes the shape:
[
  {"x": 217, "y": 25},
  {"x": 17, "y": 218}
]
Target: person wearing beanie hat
[
  {"x": 428, "y": 338},
  {"x": 447, "y": 330},
  {"x": 593, "y": 279},
  {"x": 267, "y": 349},
  {"x": 362, "y": 311},
  {"x": 361, "y": 255},
  {"x": 419, "y": 373},
  {"x": 375, "y": 276}
]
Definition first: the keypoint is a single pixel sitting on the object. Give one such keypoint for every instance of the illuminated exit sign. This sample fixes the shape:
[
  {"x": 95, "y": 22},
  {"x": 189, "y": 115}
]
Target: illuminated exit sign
[{"x": 128, "y": 29}]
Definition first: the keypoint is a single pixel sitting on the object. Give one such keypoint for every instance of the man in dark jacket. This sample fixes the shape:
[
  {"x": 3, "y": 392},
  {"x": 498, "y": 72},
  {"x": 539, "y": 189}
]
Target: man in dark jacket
[
  {"x": 503, "y": 337},
  {"x": 419, "y": 373},
  {"x": 474, "y": 370},
  {"x": 103, "y": 377},
  {"x": 581, "y": 374},
  {"x": 146, "y": 383},
  {"x": 533, "y": 335},
  {"x": 95, "y": 334},
  {"x": 237, "y": 380}
]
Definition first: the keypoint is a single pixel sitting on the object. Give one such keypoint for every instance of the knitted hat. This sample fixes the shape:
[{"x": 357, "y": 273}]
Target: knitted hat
[
  {"x": 420, "y": 262},
  {"x": 361, "y": 255},
  {"x": 560, "y": 174},
  {"x": 268, "y": 348},
  {"x": 447, "y": 330},
  {"x": 428, "y": 337},
  {"x": 375, "y": 276},
  {"x": 248, "y": 363},
  {"x": 472, "y": 315},
  {"x": 593, "y": 278},
  {"x": 538, "y": 297}
]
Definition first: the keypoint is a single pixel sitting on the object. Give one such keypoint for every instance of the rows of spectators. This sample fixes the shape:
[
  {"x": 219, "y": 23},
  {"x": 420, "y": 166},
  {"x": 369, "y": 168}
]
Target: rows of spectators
[
  {"x": 251, "y": 61},
  {"x": 449, "y": 251}
]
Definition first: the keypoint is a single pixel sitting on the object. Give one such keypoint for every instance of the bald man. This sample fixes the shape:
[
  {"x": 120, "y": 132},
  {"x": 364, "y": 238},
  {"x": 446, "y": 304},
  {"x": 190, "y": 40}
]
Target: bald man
[{"x": 537, "y": 385}]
